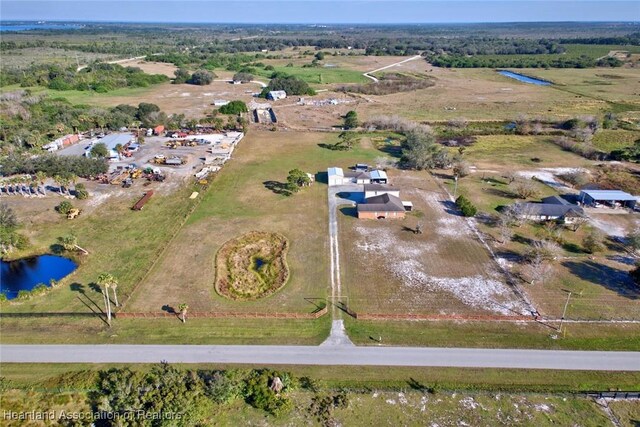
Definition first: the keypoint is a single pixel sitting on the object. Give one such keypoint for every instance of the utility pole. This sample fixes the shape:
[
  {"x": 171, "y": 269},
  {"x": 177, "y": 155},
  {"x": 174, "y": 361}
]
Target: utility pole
[
  {"x": 455, "y": 188},
  {"x": 566, "y": 304}
]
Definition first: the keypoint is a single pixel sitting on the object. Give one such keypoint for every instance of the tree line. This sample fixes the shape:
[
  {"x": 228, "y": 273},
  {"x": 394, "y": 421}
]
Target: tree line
[
  {"x": 30, "y": 121},
  {"x": 98, "y": 77},
  {"x": 529, "y": 61}
]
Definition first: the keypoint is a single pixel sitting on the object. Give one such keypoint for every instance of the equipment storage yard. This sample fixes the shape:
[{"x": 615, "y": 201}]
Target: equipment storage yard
[{"x": 154, "y": 147}]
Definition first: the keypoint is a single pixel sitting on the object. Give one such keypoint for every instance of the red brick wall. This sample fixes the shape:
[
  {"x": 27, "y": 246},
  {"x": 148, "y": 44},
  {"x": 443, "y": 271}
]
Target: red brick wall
[{"x": 375, "y": 215}]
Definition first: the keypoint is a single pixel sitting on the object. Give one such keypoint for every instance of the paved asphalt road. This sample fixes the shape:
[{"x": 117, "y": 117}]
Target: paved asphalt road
[{"x": 326, "y": 355}]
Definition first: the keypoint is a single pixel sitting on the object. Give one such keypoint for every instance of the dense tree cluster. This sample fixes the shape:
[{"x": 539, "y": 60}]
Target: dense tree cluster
[
  {"x": 28, "y": 121},
  {"x": 186, "y": 397},
  {"x": 201, "y": 78},
  {"x": 9, "y": 237},
  {"x": 421, "y": 151},
  {"x": 290, "y": 84},
  {"x": 234, "y": 107},
  {"x": 243, "y": 77},
  {"x": 53, "y": 165},
  {"x": 98, "y": 77},
  {"x": 631, "y": 153}
]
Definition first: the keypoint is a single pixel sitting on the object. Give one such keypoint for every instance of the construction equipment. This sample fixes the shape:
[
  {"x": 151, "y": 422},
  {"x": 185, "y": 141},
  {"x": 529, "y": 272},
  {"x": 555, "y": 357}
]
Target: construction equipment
[
  {"x": 136, "y": 173},
  {"x": 74, "y": 212},
  {"x": 118, "y": 177}
]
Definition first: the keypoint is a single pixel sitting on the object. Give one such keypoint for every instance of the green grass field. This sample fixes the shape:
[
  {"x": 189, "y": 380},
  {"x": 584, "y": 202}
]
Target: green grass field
[
  {"x": 318, "y": 75},
  {"x": 609, "y": 140},
  {"x": 505, "y": 151},
  {"x": 494, "y": 335}
]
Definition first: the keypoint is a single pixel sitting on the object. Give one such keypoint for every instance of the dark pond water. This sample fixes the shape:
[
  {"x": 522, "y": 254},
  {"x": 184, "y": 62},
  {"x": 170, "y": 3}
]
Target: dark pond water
[
  {"x": 524, "y": 79},
  {"x": 25, "y": 274},
  {"x": 258, "y": 263}
]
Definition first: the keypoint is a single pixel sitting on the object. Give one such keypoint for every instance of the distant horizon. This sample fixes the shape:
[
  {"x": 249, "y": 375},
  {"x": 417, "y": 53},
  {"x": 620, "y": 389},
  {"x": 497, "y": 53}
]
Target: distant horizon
[
  {"x": 308, "y": 24},
  {"x": 322, "y": 12}
]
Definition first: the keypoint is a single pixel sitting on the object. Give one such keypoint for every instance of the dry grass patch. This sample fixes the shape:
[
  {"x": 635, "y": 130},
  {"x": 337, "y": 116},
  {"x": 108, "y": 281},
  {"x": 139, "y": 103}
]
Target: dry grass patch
[
  {"x": 252, "y": 266},
  {"x": 478, "y": 94},
  {"x": 444, "y": 270}
]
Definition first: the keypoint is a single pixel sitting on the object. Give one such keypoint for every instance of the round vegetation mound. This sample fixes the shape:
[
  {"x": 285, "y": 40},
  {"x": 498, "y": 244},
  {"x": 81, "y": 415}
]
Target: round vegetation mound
[{"x": 252, "y": 266}]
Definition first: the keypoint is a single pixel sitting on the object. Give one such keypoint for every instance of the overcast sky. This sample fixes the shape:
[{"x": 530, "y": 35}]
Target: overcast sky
[{"x": 321, "y": 11}]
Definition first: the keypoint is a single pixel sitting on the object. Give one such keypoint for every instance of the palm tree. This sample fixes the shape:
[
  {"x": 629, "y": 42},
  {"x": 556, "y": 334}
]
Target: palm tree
[
  {"x": 183, "y": 312},
  {"x": 107, "y": 281},
  {"x": 58, "y": 180},
  {"x": 70, "y": 243},
  {"x": 107, "y": 303},
  {"x": 42, "y": 177},
  {"x": 33, "y": 185},
  {"x": 66, "y": 181},
  {"x": 72, "y": 179},
  {"x": 20, "y": 184}
]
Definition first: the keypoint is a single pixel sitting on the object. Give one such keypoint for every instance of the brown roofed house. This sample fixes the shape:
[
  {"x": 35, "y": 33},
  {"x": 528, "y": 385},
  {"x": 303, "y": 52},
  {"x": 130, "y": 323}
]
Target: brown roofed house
[{"x": 381, "y": 207}]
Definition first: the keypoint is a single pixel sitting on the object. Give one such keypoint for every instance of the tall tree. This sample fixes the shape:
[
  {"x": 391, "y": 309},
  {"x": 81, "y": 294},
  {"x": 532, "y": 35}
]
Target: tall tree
[
  {"x": 351, "y": 120},
  {"x": 42, "y": 177},
  {"x": 420, "y": 151},
  {"x": 107, "y": 282}
]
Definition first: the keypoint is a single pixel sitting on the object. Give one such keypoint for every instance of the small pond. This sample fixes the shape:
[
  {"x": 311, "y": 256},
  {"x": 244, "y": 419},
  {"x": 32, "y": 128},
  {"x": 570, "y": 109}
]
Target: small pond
[
  {"x": 25, "y": 274},
  {"x": 258, "y": 263},
  {"x": 523, "y": 78}
]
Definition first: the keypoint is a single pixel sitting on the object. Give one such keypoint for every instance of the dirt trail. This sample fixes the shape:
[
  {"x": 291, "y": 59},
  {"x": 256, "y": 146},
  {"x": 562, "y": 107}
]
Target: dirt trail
[{"x": 368, "y": 73}]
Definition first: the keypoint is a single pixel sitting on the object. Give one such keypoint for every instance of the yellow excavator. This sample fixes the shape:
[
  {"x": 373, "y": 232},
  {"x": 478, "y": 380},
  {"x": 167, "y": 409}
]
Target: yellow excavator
[{"x": 73, "y": 213}]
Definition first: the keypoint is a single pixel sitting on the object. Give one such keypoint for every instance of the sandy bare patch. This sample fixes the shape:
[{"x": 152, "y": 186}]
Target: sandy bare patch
[{"x": 484, "y": 290}]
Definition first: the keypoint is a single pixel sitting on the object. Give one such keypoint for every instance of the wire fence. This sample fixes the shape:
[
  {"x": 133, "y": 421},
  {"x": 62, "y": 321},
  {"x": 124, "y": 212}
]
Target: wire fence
[{"x": 222, "y": 315}]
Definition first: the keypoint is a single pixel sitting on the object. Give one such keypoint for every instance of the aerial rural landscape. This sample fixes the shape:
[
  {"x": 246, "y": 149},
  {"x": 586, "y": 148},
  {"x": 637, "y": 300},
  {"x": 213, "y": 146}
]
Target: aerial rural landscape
[{"x": 336, "y": 224}]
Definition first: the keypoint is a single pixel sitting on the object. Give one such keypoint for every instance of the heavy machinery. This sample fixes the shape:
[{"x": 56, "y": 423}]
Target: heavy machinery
[{"x": 74, "y": 212}]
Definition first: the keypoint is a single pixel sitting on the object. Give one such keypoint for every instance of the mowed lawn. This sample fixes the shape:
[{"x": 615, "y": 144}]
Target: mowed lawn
[
  {"x": 318, "y": 75},
  {"x": 445, "y": 270},
  {"x": 238, "y": 202}
]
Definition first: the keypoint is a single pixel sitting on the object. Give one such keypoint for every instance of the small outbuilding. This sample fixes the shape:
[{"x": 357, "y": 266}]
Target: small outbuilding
[
  {"x": 335, "y": 176},
  {"x": 275, "y": 95}
]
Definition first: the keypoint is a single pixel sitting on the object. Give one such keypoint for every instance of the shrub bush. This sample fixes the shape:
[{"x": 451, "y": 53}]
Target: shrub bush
[
  {"x": 466, "y": 207},
  {"x": 259, "y": 395},
  {"x": 64, "y": 207},
  {"x": 81, "y": 192}
]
